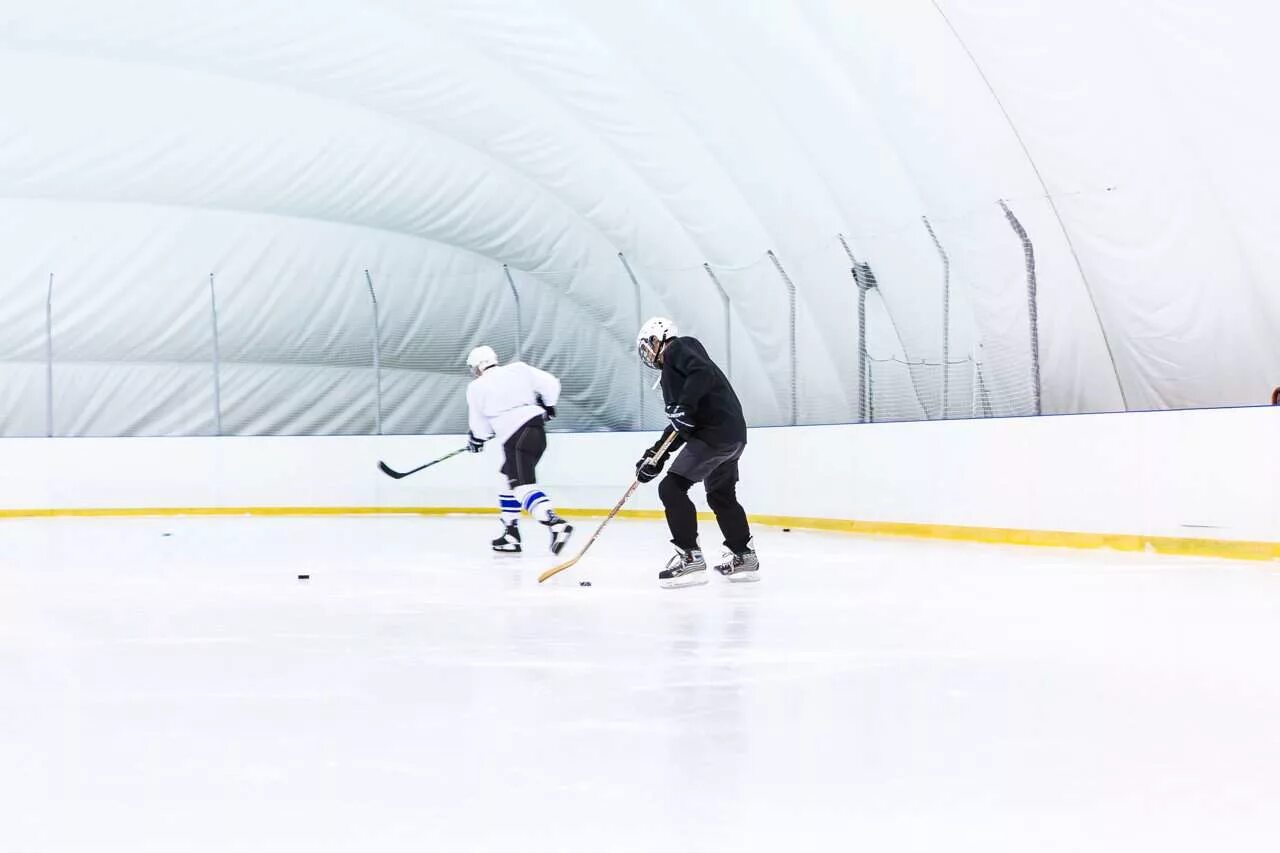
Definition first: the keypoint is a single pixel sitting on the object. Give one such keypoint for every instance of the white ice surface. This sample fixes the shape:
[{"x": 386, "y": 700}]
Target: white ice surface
[{"x": 186, "y": 692}]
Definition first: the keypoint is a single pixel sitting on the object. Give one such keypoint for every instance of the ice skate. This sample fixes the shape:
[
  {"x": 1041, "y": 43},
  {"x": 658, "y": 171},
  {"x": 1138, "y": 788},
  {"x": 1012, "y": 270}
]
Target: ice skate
[
  {"x": 561, "y": 530},
  {"x": 509, "y": 541},
  {"x": 685, "y": 568},
  {"x": 741, "y": 567}
]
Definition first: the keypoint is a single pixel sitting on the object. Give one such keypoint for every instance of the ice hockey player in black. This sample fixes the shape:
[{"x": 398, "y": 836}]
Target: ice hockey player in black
[{"x": 704, "y": 410}]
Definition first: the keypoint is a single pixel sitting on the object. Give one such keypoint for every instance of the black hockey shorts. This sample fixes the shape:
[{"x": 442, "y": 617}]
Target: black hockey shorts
[
  {"x": 698, "y": 460},
  {"x": 523, "y": 450}
]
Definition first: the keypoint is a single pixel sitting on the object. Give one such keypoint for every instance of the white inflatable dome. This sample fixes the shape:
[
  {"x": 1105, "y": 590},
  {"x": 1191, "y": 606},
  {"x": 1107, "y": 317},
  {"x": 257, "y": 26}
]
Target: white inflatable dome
[{"x": 161, "y": 157}]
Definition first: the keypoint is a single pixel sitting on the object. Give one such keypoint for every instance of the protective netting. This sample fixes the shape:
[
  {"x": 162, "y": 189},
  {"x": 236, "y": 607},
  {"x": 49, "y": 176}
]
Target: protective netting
[{"x": 314, "y": 345}]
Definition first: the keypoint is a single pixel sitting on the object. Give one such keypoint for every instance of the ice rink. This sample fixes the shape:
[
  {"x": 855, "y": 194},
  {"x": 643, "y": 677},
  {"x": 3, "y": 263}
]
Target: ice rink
[{"x": 170, "y": 685}]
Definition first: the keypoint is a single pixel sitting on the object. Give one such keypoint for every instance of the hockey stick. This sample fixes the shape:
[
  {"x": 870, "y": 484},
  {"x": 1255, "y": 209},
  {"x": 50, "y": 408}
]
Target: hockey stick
[
  {"x": 382, "y": 466},
  {"x": 555, "y": 570}
]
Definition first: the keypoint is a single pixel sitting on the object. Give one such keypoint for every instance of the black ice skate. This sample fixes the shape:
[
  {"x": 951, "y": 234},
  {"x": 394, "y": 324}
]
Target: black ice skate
[
  {"x": 561, "y": 530},
  {"x": 741, "y": 567},
  {"x": 509, "y": 541},
  {"x": 686, "y": 568}
]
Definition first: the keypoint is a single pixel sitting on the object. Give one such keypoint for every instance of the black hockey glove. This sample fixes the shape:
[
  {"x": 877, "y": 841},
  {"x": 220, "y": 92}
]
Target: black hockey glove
[
  {"x": 649, "y": 467},
  {"x": 548, "y": 412},
  {"x": 681, "y": 418},
  {"x": 474, "y": 445}
]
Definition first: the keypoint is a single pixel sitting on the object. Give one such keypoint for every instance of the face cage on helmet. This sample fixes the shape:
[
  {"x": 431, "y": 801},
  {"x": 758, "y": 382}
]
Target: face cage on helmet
[{"x": 648, "y": 349}]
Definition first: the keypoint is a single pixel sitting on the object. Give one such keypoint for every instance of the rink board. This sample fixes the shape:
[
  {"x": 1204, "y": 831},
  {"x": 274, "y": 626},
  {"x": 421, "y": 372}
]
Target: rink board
[{"x": 1194, "y": 483}]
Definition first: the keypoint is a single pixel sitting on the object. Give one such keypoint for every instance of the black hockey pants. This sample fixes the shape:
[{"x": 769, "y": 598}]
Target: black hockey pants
[{"x": 718, "y": 467}]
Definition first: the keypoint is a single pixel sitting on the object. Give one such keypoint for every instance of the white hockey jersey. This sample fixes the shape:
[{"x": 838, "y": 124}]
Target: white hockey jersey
[{"x": 504, "y": 398}]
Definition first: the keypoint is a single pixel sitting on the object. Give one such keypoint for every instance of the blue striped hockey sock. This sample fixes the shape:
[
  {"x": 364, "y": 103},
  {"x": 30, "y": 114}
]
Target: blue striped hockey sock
[
  {"x": 509, "y": 506},
  {"x": 535, "y": 502}
]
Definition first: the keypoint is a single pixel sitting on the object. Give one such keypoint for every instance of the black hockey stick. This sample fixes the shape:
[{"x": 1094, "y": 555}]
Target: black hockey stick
[{"x": 382, "y": 466}]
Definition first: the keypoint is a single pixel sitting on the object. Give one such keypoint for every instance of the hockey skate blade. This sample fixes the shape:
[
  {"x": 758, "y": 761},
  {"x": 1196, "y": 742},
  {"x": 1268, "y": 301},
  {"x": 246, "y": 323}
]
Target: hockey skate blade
[
  {"x": 692, "y": 579},
  {"x": 743, "y": 577}
]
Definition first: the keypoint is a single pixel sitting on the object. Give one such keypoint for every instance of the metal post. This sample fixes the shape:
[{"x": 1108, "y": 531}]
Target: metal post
[
  {"x": 862, "y": 331},
  {"x": 984, "y": 397},
  {"x": 893, "y": 323},
  {"x": 791, "y": 325},
  {"x": 946, "y": 312},
  {"x": 515, "y": 293},
  {"x": 217, "y": 360},
  {"x": 377, "y": 357},
  {"x": 728, "y": 331},
  {"x": 1029, "y": 258},
  {"x": 639, "y": 319},
  {"x": 864, "y": 278},
  {"x": 48, "y": 360},
  {"x": 871, "y": 394}
]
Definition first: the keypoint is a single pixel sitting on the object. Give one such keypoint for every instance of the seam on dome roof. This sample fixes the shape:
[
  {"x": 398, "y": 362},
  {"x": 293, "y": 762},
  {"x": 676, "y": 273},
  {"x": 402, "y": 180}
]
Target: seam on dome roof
[
  {"x": 572, "y": 115},
  {"x": 391, "y": 118},
  {"x": 514, "y": 167},
  {"x": 613, "y": 149}
]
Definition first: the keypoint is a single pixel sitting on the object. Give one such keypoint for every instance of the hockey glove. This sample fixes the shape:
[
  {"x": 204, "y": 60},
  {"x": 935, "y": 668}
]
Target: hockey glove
[
  {"x": 548, "y": 412},
  {"x": 681, "y": 418},
  {"x": 474, "y": 445},
  {"x": 649, "y": 467}
]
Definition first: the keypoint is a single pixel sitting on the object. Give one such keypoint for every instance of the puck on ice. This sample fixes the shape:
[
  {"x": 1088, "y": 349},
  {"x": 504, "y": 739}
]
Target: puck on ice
[
  {"x": 786, "y": 530},
  {"x": 304, "y": 577},
  {"x": 584, "y": 583}
]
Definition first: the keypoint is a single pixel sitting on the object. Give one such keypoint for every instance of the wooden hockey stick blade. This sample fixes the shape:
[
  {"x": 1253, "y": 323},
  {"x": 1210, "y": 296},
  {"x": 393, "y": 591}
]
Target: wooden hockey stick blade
[{"x": 555, "y": 570}]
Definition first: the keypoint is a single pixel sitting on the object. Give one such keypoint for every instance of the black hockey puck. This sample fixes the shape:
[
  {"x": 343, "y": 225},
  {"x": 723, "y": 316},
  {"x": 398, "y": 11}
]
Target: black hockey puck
[
  {"x": 584, "y": 583},
  {"x": 786, "y": 530},
  {"x": 166, "y": 534},
  {"x": 304, "y": 577}
]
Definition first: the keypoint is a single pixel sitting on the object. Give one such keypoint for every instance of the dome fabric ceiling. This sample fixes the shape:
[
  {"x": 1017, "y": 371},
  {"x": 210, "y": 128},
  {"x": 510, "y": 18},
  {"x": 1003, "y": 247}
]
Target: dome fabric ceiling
[{"x": 285, "y": 148}]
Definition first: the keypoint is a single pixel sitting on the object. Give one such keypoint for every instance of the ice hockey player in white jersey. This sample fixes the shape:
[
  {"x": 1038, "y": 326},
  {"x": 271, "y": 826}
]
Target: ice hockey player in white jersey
[{"x": 510, "y": 403}]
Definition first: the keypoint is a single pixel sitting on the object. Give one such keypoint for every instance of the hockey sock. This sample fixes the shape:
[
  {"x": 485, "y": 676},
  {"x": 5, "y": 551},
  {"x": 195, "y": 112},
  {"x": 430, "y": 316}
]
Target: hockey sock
[
  {"x": 510, "y": 507},
  {"x": 535, "y": 502}
]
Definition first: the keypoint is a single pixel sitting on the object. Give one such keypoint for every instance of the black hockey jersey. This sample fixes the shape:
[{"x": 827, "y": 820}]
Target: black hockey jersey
[{"x": 691, "y": 378}]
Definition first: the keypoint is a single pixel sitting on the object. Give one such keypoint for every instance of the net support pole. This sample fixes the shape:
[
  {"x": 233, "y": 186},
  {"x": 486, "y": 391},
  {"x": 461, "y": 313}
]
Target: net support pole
[
  {"x": 515, "y": 294},
  {"x": 862, "y": 331},
  {"x": 635, "y": 287},
  {"x": 984, "y": 398},
  {"x": 865, "y": 279},
  {"x": 1033, "y": 319},
  {"x": 217, "y": 358},
  {"x": 48, "y": 360},
  {"x": 728, "y": 329},
  {"x": 377, "y": 357},
  {"x": 893, "y": 324},
  {"x": 946, "y": 314},
  {"x": 791, "y": 330}
]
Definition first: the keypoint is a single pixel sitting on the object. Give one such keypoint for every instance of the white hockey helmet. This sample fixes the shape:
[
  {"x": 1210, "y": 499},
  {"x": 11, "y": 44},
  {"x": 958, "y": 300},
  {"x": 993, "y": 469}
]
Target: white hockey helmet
[
  {"x": 481, "y": 359},
  {"x": 654, "y": 332}
]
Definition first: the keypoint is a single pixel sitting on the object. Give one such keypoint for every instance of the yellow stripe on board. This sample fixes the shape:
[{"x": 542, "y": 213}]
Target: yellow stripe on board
[{"x": 1227, "y": 548}]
